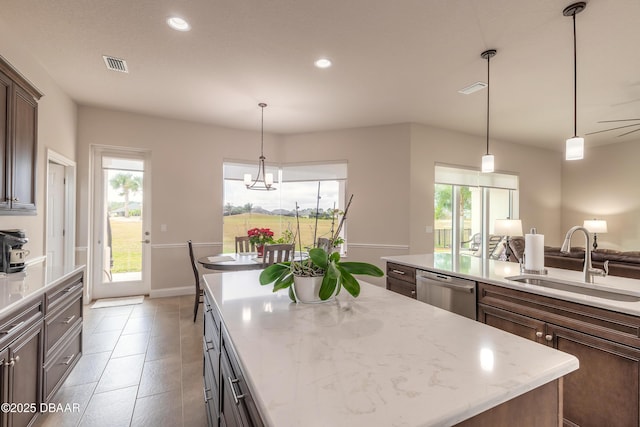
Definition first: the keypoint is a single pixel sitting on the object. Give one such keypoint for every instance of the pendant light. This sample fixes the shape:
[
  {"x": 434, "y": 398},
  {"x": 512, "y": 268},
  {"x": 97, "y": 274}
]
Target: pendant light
[
  {"x": 263, "y": 181},
  {"x": 575, "y": 145},
  {"x": 488, "y": 159}
]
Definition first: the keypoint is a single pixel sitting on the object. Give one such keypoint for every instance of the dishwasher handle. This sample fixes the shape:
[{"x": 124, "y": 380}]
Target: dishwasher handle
[{"x": 454, "y": 286}]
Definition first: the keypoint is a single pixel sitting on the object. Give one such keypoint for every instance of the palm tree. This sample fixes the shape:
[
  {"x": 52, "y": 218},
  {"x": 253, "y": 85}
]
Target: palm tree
[{"x": 127, "y": 184}]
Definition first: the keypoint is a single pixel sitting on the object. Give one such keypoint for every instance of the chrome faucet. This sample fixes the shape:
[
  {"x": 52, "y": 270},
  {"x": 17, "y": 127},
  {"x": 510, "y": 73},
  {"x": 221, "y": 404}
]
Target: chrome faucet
[{"x": 589, "y": 271}]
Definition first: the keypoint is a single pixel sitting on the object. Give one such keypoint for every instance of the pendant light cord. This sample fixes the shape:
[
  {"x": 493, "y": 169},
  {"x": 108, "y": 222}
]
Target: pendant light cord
[
  {"x": 262, "y": 105},
  {"x": 488, "y": 89},
  {"x": 575, "y": 80}
]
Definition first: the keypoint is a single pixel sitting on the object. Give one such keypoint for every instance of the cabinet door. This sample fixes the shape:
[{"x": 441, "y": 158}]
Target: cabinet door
[
  {"x": 4, "y": 393},
  {"x": 605, "y": 391},
  {"x": 25, "y": 150},
  {"x": 25, "y": 370},
  {"x": 230, "y": 413},
  {"x": 517, "y": 324},
  {"x": 5, "y": 153}
]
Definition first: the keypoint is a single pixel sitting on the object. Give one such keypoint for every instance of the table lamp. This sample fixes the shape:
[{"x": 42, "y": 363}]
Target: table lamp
[
  {"x": 595, "y": 226},
  {"x": 509, "y": 228}
]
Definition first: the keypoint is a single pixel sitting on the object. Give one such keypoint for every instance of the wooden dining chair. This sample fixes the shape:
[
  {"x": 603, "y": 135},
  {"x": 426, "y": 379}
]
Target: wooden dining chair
[
  {"x": 277, "y": 253},
  {"x": 243, "y": 244},
  {"x": 196, "y": 273}
]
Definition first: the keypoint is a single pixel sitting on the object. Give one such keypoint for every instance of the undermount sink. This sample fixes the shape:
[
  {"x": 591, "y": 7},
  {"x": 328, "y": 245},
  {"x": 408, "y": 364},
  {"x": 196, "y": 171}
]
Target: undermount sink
[{"x": 578, "y": 288}]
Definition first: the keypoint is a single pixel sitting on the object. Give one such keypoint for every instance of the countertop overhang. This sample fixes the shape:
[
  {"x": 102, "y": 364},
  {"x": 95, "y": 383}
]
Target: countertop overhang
[
  {"x": 495, "y": 272},
  {"x": 377, "y": 360}
]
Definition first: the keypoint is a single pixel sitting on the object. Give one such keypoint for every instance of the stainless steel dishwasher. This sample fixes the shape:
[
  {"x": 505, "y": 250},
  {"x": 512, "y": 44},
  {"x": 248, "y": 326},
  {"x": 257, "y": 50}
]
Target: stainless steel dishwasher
[{"x": 449, "y": 293}]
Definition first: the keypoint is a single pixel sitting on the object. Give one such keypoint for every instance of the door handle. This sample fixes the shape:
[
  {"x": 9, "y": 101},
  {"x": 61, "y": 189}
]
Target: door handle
[{"x": 145, "y": 241}]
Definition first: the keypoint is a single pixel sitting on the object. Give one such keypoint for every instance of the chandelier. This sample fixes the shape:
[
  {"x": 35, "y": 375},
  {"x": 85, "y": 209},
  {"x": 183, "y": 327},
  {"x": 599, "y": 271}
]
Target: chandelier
[{"x": 263, "y": 181}]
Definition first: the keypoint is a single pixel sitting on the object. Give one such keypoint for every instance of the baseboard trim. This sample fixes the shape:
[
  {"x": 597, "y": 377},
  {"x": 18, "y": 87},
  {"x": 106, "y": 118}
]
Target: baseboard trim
[{"x": 172, "y": 292}]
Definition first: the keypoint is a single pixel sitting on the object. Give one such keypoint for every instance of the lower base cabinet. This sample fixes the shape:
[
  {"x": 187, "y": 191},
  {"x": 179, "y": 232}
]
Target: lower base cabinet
[
  {"x": 605, "y": 390},
  {"x": 228, "y": 400}
]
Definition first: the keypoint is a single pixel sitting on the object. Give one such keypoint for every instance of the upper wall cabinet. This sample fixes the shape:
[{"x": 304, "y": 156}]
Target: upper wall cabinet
[{"x": 18, "y": 142}]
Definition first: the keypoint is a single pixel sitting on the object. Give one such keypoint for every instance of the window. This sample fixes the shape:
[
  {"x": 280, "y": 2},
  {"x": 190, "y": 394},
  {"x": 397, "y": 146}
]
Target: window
[
  {"x": 295, "y": 184},
  {"x": 466, "y": 202}
]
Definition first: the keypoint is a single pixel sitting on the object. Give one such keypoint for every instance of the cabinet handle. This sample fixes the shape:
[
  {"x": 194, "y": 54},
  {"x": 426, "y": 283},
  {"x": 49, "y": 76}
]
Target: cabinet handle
[
  {"x": 413, "y": 293},
  {"x": 15, "y": 199},
  {"x": 206, "y": 399},
  {"x": 72, "y": 288},
  {"x": 539, "y": 334},
  {"x": 69, "y": 359},
  {"x": 209, "y": 342},
  {"x": 398, "y": 272},
  {"x": 236, "y": 398},
  {"x": 548, "y": 337},
  {"x": 69, "y": 319},
  {"x": 11, "y": 328},
  {"x": 13, "y": 361}
]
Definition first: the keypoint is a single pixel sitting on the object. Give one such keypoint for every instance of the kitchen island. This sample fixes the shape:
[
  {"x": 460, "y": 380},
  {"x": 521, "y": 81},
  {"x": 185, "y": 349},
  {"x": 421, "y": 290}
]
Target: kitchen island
[{"x": 378, "y": 360}]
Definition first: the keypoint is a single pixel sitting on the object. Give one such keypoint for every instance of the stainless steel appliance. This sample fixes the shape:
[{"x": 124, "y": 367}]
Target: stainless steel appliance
[
  {"x": 450, "y": 293},
  {"x": 12, "y": 255}
]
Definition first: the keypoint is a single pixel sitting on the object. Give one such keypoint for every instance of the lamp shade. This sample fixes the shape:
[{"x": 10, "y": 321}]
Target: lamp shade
[
  {"x": 595, "y": 225},
  {"x": 508, "y": 227},
  {"x": 487, "y": 163},
  {"x": 575, "y": 148}
]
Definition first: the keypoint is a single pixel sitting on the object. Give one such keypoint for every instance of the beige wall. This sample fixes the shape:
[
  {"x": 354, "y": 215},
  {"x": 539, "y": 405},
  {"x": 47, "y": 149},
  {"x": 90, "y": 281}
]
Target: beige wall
[
  {"x": 539, "y": 171},
  {"x": 378, "y": 168},
  {"x": 56, "y": 131},
  {"x": 605, "y": 185},
  {"x": 186, "y": 182}
]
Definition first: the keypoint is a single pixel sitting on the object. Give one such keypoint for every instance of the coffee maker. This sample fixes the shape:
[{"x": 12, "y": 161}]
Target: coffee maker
[{"x": 12, "y": 255}]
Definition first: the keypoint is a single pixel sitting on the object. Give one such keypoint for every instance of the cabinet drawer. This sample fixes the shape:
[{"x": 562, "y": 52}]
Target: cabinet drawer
[
  {"x": 68, "y": 289},
  {"x": 401, "y": 272},
  {"x": 59, "y": 324},
  {"x": 401, "y": 287},
  {"x": 211, "y": 392},
  {"x": 15, "y": 323},
  {"x": 59, "y": 365}
]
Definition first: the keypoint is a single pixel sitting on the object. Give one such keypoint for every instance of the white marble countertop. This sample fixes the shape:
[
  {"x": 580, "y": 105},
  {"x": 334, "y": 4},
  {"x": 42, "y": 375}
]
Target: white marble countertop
[
  {"x": 380, "y": 359},
  {"x": 494, "y": 272},
  {"x": 18, "y": 288}
]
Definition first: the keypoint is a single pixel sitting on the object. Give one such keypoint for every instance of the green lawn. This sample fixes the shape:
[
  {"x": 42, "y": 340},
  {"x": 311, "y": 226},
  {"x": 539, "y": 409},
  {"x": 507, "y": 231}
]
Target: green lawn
[
  {"x": 126, "y": 246},
  {"x": 237, "y": 225}
]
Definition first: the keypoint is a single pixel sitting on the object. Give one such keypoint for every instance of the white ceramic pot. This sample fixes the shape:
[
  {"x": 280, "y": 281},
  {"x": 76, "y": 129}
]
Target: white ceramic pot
[{"x": 307, "y": 289}]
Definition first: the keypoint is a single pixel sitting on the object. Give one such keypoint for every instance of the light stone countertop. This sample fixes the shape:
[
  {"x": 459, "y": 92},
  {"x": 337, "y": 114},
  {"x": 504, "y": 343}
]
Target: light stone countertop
[
  {"x": 22, "y": 287},
  {"x": 494, "y": 272},
  {"x": 381, "y": 359}
]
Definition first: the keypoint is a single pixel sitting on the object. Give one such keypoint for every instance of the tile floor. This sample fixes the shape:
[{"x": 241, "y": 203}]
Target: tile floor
[{"x": 141, "y": 366}]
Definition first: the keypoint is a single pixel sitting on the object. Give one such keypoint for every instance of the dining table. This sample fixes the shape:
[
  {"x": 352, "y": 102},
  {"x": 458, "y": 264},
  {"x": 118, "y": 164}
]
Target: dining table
[{"x": 238, "y": 261}]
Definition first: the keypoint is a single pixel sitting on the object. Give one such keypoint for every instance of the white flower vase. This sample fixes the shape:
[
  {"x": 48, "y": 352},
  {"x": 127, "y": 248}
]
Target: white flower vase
[{"x": 307, "y": 289}]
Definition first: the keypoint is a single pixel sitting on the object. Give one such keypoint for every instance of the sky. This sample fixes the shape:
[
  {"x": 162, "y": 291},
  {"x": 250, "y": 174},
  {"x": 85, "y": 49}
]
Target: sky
[{"x": 284, "y": 197}]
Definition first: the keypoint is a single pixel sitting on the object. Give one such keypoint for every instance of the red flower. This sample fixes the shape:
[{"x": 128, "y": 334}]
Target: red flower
[{"x": 260, "y": 236}]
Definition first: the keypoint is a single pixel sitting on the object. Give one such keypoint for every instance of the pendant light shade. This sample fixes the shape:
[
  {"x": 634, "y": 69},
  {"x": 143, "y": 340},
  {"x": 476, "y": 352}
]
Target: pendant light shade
[
  {"x": 575, "y": 145},
  {"x": 488, "y": 159},
  {"x": 263, "y": 181}
]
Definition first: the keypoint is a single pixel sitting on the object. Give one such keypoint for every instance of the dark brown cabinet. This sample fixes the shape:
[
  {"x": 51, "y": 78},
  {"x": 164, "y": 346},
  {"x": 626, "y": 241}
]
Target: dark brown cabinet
[
  {"x": 18, "y": 141},
  {"x": 401, "y": 279},
  {"x": 21, "y": 354},
  {"x": 605, "y": 390},
  {"x": 227, "y": 397}
]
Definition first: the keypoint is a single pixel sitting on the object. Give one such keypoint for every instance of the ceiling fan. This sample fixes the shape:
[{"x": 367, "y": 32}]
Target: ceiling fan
[{"x": 633, "y": 125}]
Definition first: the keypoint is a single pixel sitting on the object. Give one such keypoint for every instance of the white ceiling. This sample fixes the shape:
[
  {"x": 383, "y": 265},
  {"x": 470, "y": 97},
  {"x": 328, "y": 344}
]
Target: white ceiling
[{"x": 394, "y": 61}]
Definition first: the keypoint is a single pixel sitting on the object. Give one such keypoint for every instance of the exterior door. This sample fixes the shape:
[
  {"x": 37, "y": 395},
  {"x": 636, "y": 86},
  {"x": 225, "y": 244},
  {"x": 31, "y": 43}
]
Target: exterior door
[{"x": 121, "y": 231}]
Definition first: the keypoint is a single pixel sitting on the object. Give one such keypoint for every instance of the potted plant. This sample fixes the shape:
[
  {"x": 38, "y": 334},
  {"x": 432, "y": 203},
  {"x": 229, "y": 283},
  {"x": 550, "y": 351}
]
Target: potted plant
[
  {"x": 259, "y": 237},
  {"x": 320, "y": 276}
]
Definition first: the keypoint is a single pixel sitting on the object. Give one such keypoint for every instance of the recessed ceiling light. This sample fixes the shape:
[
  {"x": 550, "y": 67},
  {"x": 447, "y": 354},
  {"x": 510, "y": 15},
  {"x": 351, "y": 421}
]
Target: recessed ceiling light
[
  {"x": 178, "y": 23},
  {"x": 323, "y": 63},
  {"x": 474, "y": 87}
]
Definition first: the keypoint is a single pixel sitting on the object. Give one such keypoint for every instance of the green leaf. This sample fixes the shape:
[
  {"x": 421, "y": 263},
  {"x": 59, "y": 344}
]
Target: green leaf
[
  {"x": 319, "y": 257},
  {"x": 292, "y": 296},
  {"x": 328, "y": 287},
  {"x": 273, "y": 272},
  {"x": 361, "y": 268},
  {"x": 349, "y": 282},
  {"x": 283, "y": 282},
  {"x": 335, "y": 257}
]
